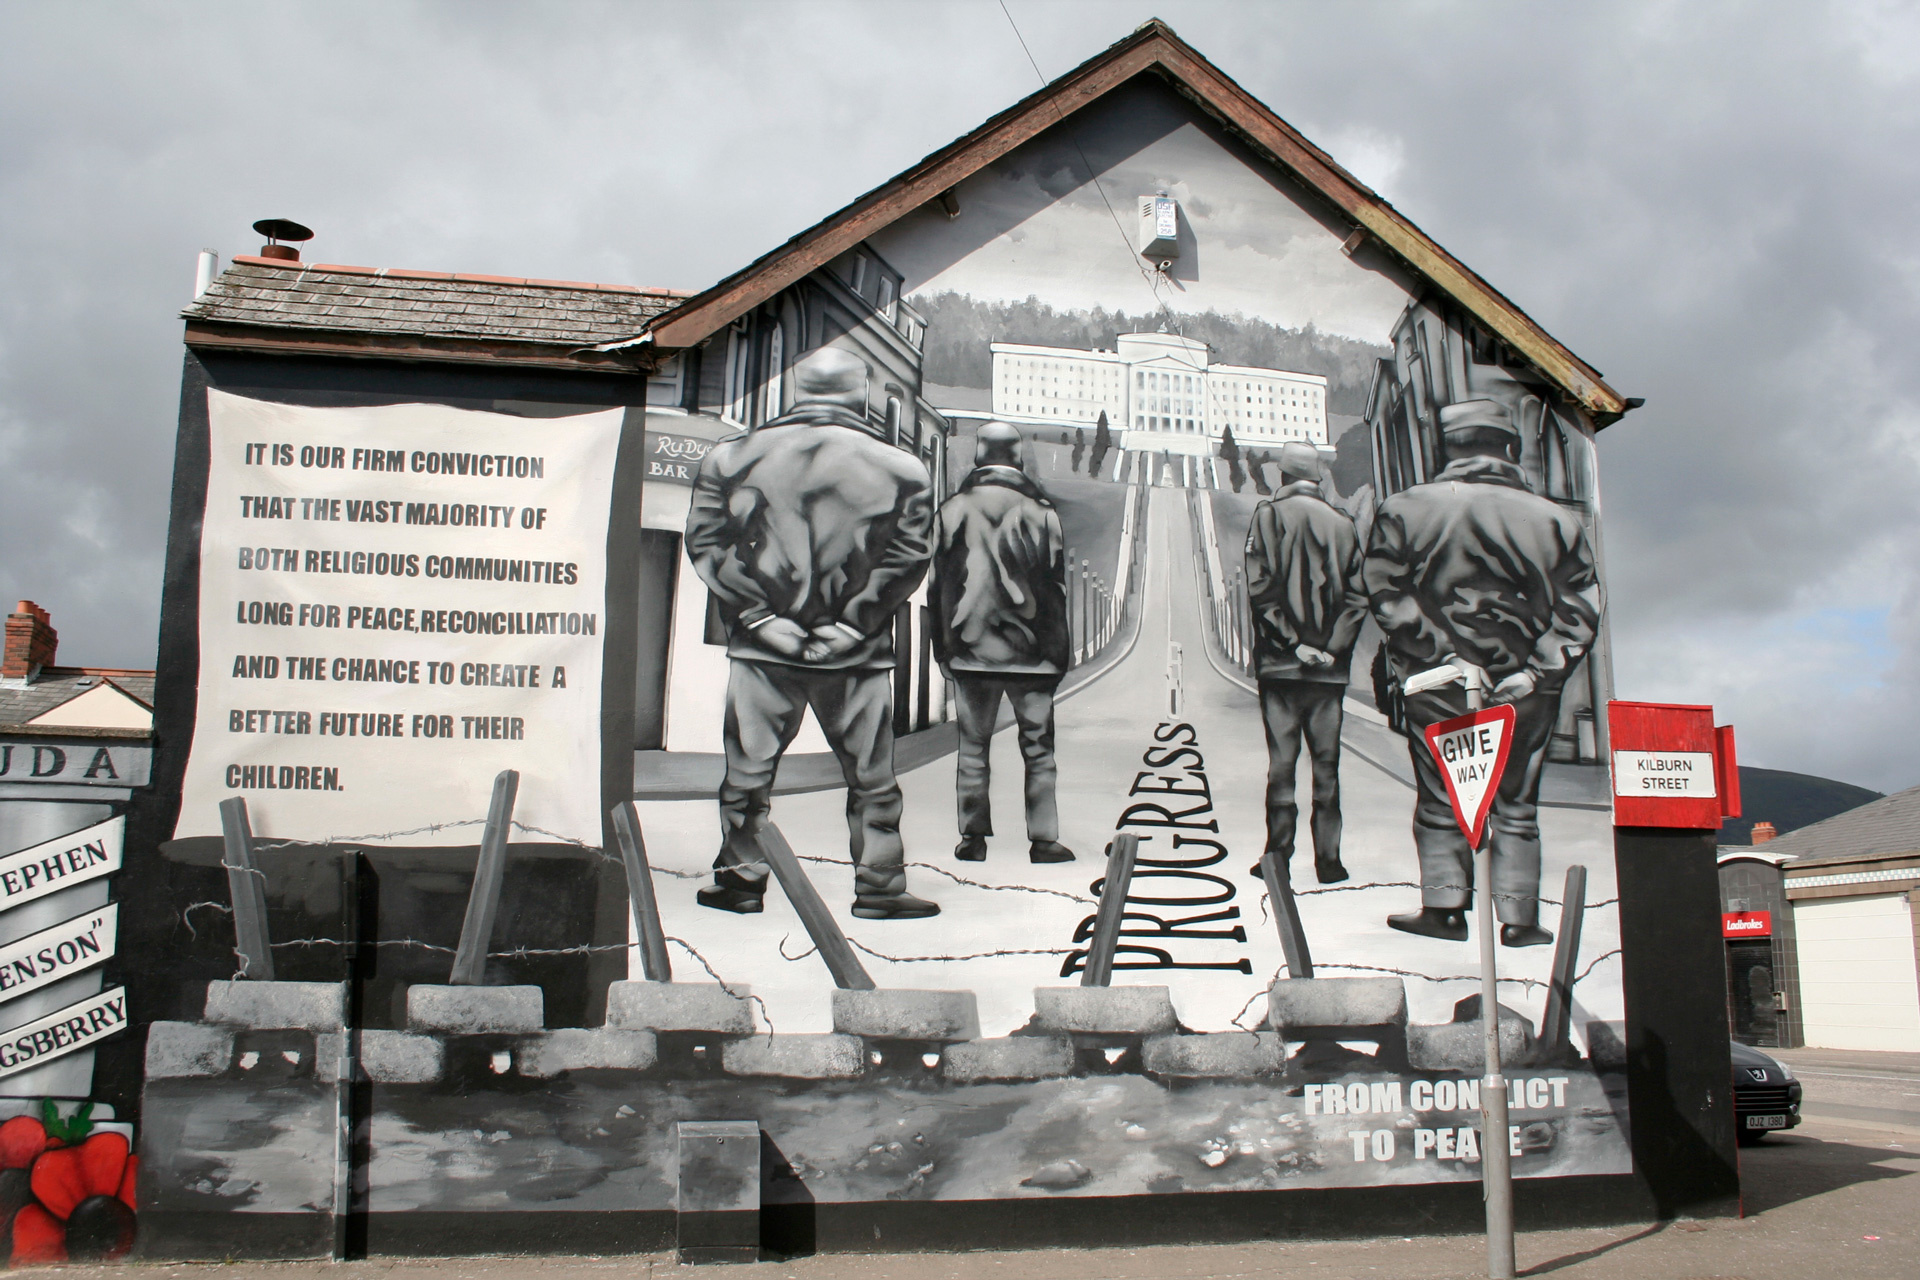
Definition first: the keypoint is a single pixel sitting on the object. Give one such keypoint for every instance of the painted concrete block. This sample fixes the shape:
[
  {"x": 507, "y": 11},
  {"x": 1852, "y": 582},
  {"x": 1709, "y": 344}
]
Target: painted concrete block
[
  {"x": 469, "y": 1011},
  {"x": 680, "y": 1006},
  {"x": 803, "y": 1057},
  {"x": 1224, "y": 1054},
  {"x": 586, "y": 1049},
  {"x": 1337, "y": 1002},
  {"x": 400, "y": 1057},
  {"x": 176, "y": 1049},
  {"x": 1009, "y": 1058},
  {"x": 1461, "y": 1046},
  {"x": 1607, "y": 1045},
  {"x": 717, "y": 1202},
  {"x": 907, "y": 1015},
  {"x": 271, "y": 1006},
  {"x": 1142, "y": 1011}
]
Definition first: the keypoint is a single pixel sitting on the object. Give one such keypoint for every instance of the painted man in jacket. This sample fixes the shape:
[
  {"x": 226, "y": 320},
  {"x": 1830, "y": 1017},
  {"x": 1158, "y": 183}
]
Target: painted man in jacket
[
  {"x": 811, "y": 531},
  {"x": 1000, "y": 610},
  {"x": 1308, "y": 600},
  {"x": 1475, "y": 570}
]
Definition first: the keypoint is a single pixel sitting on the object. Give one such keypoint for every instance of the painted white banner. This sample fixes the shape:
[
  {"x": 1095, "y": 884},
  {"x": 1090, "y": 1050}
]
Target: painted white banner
[
  {"x": 60, "y": 863},
  {"x": 58, "y": 952},
  {"x": 1663, "y": 773},
  {"x": 396, "y": 603},
  {"x": 80, "y": 1025}
]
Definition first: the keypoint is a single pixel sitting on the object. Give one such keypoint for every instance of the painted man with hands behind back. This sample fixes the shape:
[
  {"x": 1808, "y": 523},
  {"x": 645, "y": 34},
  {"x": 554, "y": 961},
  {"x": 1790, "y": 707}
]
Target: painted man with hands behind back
[
  {"x": 811, "y": 531},
  {"x": 1475, "y": 570}
]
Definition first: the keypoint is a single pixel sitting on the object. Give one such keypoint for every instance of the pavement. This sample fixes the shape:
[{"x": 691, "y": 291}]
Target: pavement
[{"x": 1833, "y": 1199}]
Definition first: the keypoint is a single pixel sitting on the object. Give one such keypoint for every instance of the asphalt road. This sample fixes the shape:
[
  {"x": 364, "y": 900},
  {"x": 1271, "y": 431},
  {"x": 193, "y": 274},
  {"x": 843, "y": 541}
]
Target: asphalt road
[{"x": 1877, "y": 1088}]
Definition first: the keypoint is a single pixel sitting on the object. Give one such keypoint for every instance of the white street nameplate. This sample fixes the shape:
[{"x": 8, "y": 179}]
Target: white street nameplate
[
  {"x": 62, "y": 862},
  {"x": 1663, "y": 773},
  {"x": 57, "y": 952},
  {"x": 78, "y": 1026}
]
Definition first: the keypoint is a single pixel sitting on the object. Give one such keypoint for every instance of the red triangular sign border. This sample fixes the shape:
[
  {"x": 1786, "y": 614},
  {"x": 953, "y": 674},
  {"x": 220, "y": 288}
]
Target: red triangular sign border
[{"x": 1473, "y": 824}]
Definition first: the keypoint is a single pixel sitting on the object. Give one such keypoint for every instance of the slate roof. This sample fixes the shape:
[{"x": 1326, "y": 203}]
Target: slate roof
[
  {"x": 378, "y": 300},
  {"x": 56, "y": 685},
  {"x": 1888, "y": 825}
]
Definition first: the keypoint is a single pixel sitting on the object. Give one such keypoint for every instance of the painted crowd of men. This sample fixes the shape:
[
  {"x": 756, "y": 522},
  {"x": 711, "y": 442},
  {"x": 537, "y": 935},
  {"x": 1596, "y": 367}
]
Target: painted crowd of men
[
  {"x": 1471, "y": 570},
  {"x": 812, "y": 530}
]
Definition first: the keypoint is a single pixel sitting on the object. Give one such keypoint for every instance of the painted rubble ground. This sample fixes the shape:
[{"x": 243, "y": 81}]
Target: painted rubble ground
[{"x": 600, "y": 1142}]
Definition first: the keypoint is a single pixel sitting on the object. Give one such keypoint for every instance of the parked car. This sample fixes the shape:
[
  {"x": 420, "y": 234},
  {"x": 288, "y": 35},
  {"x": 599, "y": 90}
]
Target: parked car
[{"x": 1766, "y": 1097}]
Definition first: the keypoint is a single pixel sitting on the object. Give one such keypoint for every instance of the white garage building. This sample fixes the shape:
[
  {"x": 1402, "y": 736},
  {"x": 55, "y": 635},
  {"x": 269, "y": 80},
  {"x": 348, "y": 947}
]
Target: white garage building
[{"x": 1854, "y": 888}]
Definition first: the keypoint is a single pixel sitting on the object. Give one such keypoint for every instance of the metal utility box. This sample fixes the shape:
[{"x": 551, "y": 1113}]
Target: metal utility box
[{"x": 1159, "y": 236}]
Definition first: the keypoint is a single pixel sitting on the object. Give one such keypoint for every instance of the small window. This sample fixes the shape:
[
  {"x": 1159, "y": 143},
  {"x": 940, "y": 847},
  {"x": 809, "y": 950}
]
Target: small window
[{"x": 886, "y": 297}]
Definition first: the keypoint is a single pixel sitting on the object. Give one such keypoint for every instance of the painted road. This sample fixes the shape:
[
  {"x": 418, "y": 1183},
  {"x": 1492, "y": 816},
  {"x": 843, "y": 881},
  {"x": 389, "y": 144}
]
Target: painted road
[{"x": 1008, "y": 926}]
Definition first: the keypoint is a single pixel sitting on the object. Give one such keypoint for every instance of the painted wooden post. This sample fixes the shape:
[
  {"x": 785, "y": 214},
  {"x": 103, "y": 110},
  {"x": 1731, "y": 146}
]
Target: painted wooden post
[
  {"x": 350, "y": 1087},
  {"x": 483, "y": 902},
  {"x": 1286, "y": 917},
  {"x": 1073, "y": 614},
  {"x": 247, "y": 886},
  {"x": 1113, "y": 906},
  {"x": 1555, "y": 1021},
  {"x": 848, "y": 973},
  {"x": 646, "y": 907},
  {"x": 1086, "y": 649}
]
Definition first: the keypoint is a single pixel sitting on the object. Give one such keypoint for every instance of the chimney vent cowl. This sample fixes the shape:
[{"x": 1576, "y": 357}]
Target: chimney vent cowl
[{"x": 278, "y": 229}]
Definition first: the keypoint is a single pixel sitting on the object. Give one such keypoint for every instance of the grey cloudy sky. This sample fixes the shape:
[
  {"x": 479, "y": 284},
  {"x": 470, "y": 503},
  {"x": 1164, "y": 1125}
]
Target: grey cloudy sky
[{"x": 1714, "y": 203}]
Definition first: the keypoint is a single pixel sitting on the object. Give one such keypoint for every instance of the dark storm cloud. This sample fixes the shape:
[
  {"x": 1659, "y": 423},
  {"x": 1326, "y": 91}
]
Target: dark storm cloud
[{"x": 1712, "y": 202}]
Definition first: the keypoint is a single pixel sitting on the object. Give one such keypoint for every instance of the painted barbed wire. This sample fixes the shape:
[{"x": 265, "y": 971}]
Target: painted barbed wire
[
  {"x": 377, "y": 838},
  {"x": 186, "y": 914},
  {"x": 959, "y": 879},
  {"x": 1360, "y": 885},
  {"x": 724, "y": 986},
  {"x": 1528, "y": 983},
  {"x": 522, "y": 953},
  {"x": 881, "y": 955}
]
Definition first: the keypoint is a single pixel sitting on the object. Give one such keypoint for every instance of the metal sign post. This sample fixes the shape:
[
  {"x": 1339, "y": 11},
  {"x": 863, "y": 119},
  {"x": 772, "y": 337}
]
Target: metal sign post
[{"x": 1471, "y": 752}]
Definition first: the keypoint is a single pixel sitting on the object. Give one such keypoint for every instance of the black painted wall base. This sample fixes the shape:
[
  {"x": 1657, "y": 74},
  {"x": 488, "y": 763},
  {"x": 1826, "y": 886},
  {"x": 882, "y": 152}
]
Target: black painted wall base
[
  {"x": 794, "y": 1230},
  {"x": 1679, "y": 1064}
]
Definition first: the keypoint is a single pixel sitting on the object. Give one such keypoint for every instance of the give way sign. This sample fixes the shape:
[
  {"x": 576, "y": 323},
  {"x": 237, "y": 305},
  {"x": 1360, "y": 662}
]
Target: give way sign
[{"x": 1471, "y": 751}]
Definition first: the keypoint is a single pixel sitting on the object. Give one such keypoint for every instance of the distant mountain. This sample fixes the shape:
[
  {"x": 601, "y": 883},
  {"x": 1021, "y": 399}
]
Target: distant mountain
[
  {"x": 1789, "y": 801},
  {"x": 959, "y": 327}
]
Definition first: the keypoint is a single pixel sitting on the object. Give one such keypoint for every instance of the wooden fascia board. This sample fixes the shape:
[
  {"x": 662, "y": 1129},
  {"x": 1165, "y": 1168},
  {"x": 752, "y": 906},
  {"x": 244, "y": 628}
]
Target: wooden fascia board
[
  {"x": 1155, "y": 49},
  {"x": 263, "y": 340}
]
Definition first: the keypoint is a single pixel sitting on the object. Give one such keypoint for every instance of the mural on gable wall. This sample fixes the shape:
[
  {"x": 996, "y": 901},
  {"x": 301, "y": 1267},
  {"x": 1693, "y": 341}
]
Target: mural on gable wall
[
  {"x": 1158, "y": 549},
  {"x": 1069, "y": 510}
]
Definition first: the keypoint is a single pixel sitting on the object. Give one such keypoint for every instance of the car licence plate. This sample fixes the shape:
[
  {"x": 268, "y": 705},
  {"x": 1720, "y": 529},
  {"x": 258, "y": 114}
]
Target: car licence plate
[{"x": 1766, "y": 1122}]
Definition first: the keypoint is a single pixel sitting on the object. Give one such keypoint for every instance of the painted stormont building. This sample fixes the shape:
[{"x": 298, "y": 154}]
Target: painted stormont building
[{"x": 1162, "y": 390}]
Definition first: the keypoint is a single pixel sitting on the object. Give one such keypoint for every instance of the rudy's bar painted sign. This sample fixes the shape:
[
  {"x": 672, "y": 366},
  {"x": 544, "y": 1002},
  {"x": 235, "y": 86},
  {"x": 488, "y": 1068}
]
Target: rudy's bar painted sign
[
  {"x": 62, "y": 862},
  {"x": 1746, "y": 924},
  {"x": 1663, "y": 773},
  {"x": 396, "y": 603},
  {"x": 57, "y": 952},
  {"x": 674, "y": 458},
  {"x": 77, "y": 762},
  {"x": 78, "y": 1026}
]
